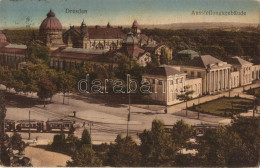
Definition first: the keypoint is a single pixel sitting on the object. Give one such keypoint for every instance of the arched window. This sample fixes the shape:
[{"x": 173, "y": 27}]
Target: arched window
[
  {"x": 112, "y": 46},
  {"x": 99, "y": 46}
]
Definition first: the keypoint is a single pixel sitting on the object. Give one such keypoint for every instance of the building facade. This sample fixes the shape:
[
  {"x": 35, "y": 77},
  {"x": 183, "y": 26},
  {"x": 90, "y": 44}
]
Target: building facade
[{"x": 167, "y": 82}]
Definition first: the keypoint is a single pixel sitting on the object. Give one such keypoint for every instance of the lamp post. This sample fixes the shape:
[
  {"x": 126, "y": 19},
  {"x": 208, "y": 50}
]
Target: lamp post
[
  {"x": 29, "y": 125},
  {"x": 129, "y": 113},
  {"x": 90, "y": 124}
]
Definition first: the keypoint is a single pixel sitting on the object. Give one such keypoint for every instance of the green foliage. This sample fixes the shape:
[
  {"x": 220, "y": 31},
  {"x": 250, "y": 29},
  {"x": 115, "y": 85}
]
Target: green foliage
[
  {"x": 20, "y": 36},
  {"x": 219, "y": 43},
  {"x": 85, "y": 138},
  {"x": 36, "y": 51},
  {"x": 157, "y": 147},
  {"x": 46, "y": 88},
  {"x": 181, "y": 133},
  {"x": 84, "y": 157},
  {"x": 236, "y": 145},
  {"x": 16, "y": 141},
  {"x": 128, "y": 66},
  {"x": 124, "y": 152},
  {"x": 58, "y": 142},
  {"x": 187, "y": 95}
]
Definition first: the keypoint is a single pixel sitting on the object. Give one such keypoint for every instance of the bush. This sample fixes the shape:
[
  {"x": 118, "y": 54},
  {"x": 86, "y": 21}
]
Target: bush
[
  {"x": 58, "y": 141},
  {"x": 85, "y": 138},
  {"x": 84, "y": 157}
]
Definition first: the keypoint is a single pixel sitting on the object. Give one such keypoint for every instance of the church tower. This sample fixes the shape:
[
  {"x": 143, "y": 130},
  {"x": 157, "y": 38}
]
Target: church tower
[
  {"x": 136, "y": 29},
  {"x": 84, "y": 34}
]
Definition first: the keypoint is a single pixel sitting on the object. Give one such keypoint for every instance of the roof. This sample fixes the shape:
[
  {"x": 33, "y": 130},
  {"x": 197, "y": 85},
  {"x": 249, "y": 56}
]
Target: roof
[
  {"x": 51, "y": 22},
  {"x": 238, "y": 61},
  {"x": 12, "y": 48},
  {"x": 102, "y": 32},
  {"x": 203, "y": 61},
  {"x": 16, "y": 46},
  {"x": 164, "y": 70},
  {"x": 78, "y": 53},
  {"x": 190, "y": 52},
  {"x": 85, "y": 51},
  {"x": 130, "y": 39}
]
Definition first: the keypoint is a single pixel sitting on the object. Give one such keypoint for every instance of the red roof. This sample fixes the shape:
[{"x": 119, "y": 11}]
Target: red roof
[
  {"x": 12, "y": 50},
  {"x": 51, "y": 22},
  {"x": 3, "y": 44},
  {"x": 103, "y": 32},
  {"x": 72, "y": 55}
]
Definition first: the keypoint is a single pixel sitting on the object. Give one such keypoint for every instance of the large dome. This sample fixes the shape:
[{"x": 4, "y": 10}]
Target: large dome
[
  {"x": 51, "y": 23},
  {"x": 2, "y": 37},
  {"x": 130, "y": 39}
]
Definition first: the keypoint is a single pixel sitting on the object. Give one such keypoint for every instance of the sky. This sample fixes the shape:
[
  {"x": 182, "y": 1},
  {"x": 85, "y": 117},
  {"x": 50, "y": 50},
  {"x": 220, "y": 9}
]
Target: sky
[{"x": 19, "y": 13}]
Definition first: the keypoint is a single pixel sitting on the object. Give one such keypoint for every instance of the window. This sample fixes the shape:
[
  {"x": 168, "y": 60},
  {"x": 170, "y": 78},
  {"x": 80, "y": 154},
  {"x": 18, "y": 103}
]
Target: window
[
  {"x": 160, "y": 82},
  {"x": 192, "y": 74},
  {"x": 199, "y": 74},
  {"x": 153, "y": 81},
  {"x": 171, "y": 82}
]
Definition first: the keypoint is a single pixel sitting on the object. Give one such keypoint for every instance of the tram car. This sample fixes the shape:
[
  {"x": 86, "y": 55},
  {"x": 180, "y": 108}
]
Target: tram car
[
  {"x": 33, "y": 125},
  {"x": 59, "y": 125},
  {"x": 9, "y": 125}
]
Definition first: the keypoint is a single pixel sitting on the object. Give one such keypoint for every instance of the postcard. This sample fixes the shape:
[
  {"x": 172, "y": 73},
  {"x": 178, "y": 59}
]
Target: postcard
[{"x": 129, "y": 83}]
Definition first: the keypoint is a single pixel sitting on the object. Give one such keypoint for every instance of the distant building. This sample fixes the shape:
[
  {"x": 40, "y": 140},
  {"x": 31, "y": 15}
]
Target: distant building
[
  {"x": 167, "y": 82},
  {"x": 215, "y": 73},
  {"x": 11, "y": 54},
  {"x": 186, "y": 55},
  {"x": 50, "y": 32},
  {"x": 244, "y": 68}
]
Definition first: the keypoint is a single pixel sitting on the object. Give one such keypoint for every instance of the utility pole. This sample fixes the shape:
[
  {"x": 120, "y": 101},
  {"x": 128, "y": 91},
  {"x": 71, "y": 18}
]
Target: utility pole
[
  {"x": 129, "y": 111},
  {"x": 90, "y": 124},
  {"x": 29, "y": 125},
  {"x": 254, "y": 110}
]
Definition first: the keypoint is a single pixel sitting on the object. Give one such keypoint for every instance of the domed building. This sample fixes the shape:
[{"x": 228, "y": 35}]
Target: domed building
[
  {"x": 2, "y": 37},
  {"x": 51, "y": 31}
]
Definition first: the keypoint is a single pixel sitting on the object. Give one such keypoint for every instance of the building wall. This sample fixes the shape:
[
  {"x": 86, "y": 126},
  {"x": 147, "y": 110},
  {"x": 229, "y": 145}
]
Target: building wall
[
  {"x": 11, "y": 59},
  {"x": 63, "y": 63},
  {"x": 195, "y": 72},
  {"x": 255, "y": 72},
  {"x": 195, "y": 85},
  {"x": 235, "y": 79}
]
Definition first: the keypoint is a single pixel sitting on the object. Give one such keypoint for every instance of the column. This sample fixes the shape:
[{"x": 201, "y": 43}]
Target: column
[
  {"x": 214, "y": 81},
  {"x": 217, "y": 80},
  {"x": 209, "y": 84}
]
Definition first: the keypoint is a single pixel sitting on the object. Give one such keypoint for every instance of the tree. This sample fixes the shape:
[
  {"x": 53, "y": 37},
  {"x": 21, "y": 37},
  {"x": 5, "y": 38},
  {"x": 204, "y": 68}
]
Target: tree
[
  {"x": 58, "y": 141},
  {"x": 186, "y": 96},
  {"x": 229, "y": 146},
  {"x": 85, "y": 138},
  {"x": 37, "y": 51},
  {"x": 157, "y": 147},
  {"x": 65, "y": 83},
  {"x": 124, "y": 152},
  {"x": 46, "y": 89},
  {"x": 181, "y": 133},
  {"x": 84, "y": 157}
]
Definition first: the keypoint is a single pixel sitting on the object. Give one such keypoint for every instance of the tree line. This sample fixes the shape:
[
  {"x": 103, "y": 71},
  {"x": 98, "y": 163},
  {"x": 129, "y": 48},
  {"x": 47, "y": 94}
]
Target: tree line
[
  {"x": 233, "y": 145},
  {"x": 216, "y": 42}
]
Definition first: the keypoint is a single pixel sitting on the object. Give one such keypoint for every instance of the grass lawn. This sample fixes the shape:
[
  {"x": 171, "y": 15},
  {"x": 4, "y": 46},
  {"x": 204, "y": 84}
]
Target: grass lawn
[{"x": 223, "y": 106}]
